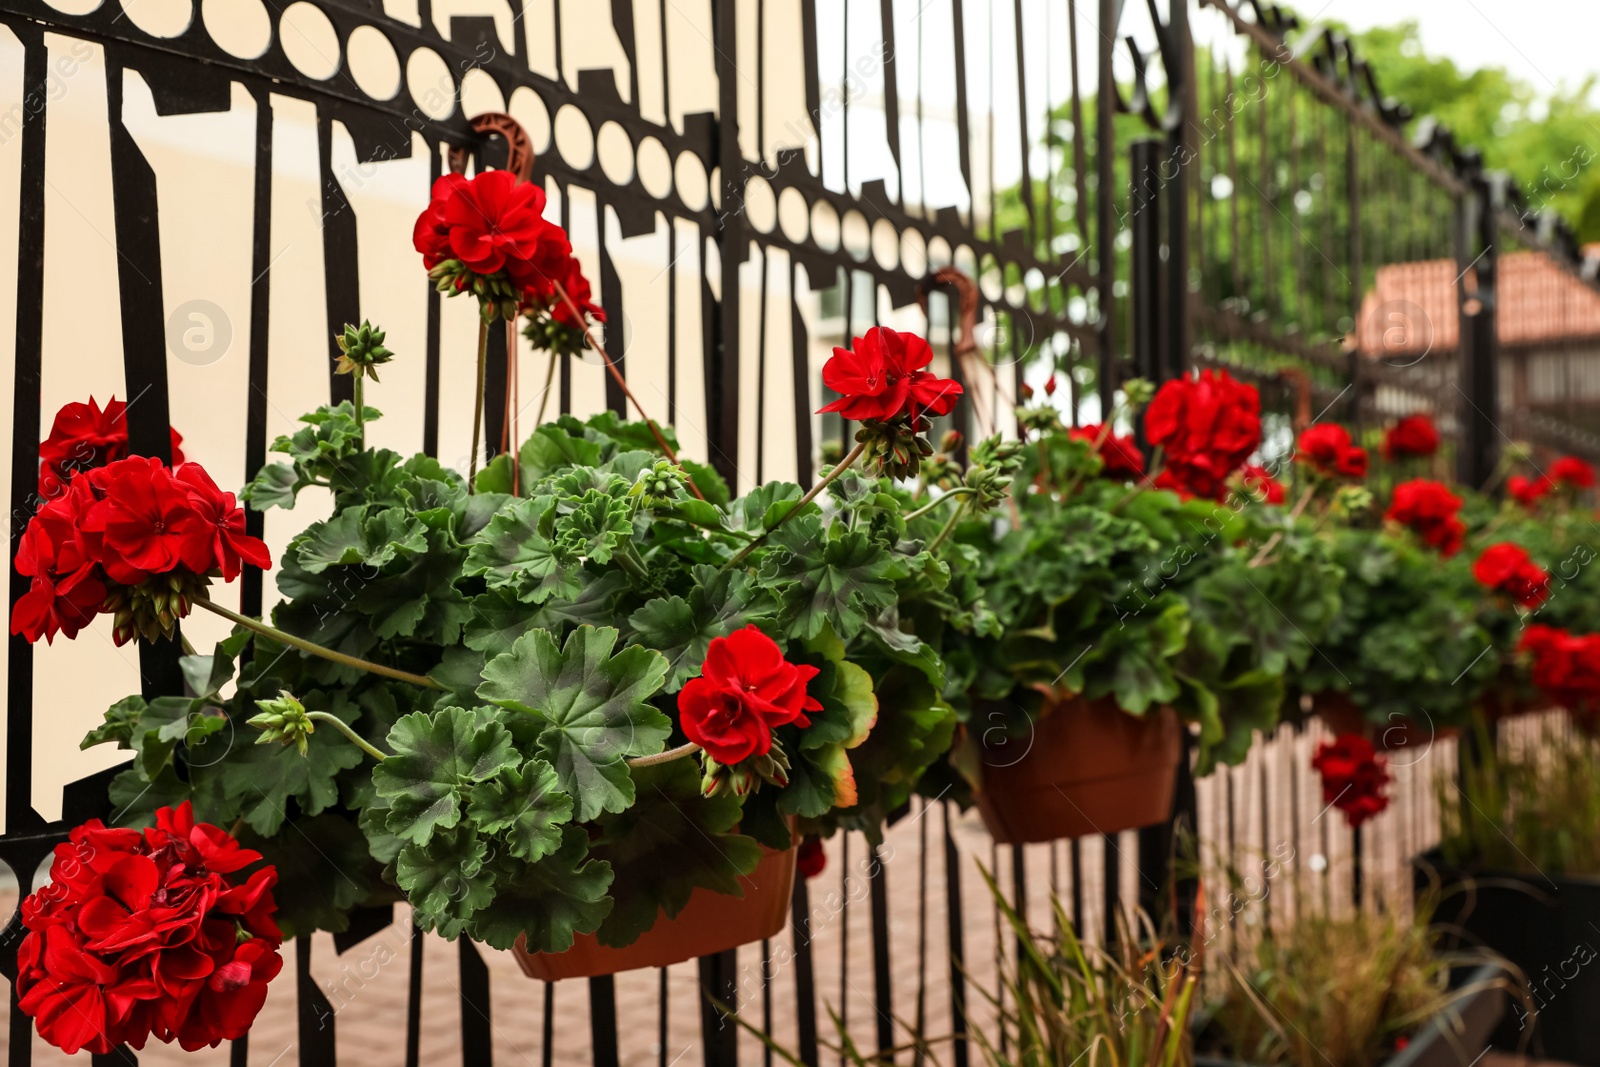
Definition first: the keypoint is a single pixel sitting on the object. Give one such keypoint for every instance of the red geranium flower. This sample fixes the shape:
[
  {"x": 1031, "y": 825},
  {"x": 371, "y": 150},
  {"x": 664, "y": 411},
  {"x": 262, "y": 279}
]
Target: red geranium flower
[
  {"x": 146, "y": 522},
  {"x": 744, "y": 690},
  {"x": 1429, "y": 508},
  {"x": 1321, "y": 444},
  {"x": 812, "y": 860},
  {"x": 1527, "y": 491},
  {"x": 1414, "y": 435},
  {"x": 143, "y": 935},
  {"x": 225, "y": 518},
  {"x": 83, "y": 437},
  {"x": 1572, "y": 472},
  {"x": 1507, "y": 568},
  {"x": 1566, "y": 667},
  {"x": 1326, "y": 446},
  {"x": 1207, "y": 426},
  {"x": 114, "y": 529},
  {"x": 1352, "y": 462},
  {"x": 1119, "y": 456},
  {"x": 880, "y": 378},
  {"x": 488, "y": 221},
  {"x": 1262, "y": 485},
  {"x": 577, "y": 287},
  {"x": 1353, "y": 777}
]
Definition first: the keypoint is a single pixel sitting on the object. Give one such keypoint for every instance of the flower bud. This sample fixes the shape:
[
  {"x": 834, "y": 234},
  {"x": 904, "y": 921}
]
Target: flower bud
[{"x": 283, "y": 721}]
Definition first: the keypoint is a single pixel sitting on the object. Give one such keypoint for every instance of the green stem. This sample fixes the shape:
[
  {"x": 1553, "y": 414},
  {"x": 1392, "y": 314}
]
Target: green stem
[
  {"x": 477, "y": 404},
  {"x": 630, "y": 562},
  {"x": 665, "y": 757},
  {"x": 314, "y": 649},
  {"x": 349, "y": 734},
  {"x": 949, "y": 527},
  {"x": 361, "y": 414},
  {"x": 844, "y": 465},
  {"x": 958, "y": 491}
]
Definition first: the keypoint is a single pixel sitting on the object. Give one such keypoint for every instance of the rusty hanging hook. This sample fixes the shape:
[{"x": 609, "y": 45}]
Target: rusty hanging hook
[
  {"x": 519, "y": 149},
  {"x": 967, "y": 292}
]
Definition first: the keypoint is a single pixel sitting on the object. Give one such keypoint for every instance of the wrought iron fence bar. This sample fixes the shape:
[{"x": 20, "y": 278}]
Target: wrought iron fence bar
[
  {"x": 603, "y": 1021},
  {"x": 805, "y": 988},
  {"x": 315, "y": 1017},
  {"x": 882, "y": 993},
  {"x": 255, "y": 456},
  {"x": 719, "y": 985},
  {"x": 955, "y": 941},
  {"x": 1332, "y": 94},
  {"x": 20, "y": 818},
  {"x": 477, "y": 1046},
  {"x": 414, "y": 998}
]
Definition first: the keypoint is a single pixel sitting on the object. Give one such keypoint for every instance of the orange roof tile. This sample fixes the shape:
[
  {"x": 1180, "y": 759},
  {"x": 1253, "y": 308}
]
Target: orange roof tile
[{"x": 1412, "y": 307}]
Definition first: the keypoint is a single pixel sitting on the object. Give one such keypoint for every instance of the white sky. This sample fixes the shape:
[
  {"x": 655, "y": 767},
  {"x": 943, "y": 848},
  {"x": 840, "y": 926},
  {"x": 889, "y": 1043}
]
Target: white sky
[{"x": 1544, "y": 42}]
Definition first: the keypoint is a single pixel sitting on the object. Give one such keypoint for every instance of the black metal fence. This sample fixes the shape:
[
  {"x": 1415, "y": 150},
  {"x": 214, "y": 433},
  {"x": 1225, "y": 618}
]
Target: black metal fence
[{"x": 1271, "y": 218}]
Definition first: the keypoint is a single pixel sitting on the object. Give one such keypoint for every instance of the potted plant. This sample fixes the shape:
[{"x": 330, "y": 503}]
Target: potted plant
[
  {"x": 564, "y": 699},
  {"x": 1402, "y": 661},
  {"x": 1349, "y": 991},
  {"x": 1125, "y": 612},
  {"x": 1519, "y": 864}
]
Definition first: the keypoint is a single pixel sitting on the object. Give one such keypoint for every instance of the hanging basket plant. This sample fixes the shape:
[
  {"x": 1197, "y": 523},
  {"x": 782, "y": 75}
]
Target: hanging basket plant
[{"x": 580, "y": 697}]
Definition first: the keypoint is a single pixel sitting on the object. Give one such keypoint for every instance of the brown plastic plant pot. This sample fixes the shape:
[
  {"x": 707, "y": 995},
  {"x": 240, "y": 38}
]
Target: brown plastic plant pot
[
  {"x": 1090, "y": 768},
  {"x": 1341, "y": 716},
  {"x": 708, "y": 924}
]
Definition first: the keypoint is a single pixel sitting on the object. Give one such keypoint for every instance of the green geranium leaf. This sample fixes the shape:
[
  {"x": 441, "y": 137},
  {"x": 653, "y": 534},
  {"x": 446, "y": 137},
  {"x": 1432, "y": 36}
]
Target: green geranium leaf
[
  {"x": 325, "y": 861},
  {"x": 262, "y": 780},
  {"x": 670, "y": 843},
  {"x": 524, "y": 807},
  {"x": 550, "y": 901},
  {"x": 420, "y": 602},
  {"x": 836, "y": 580},
  {"x": 122, "y": 718},
  {"x": 551, "y": 448},
  {"x": 275, "y": 485},
  {"x": 512, "y": 554},
  {"x": 708, "y": 481},
  {"x": 597, "y": 524},
  {"x": 354, "y": 536},
  {"x": 596, "y": 604},
  {"x": 682, "y": 629},
  {"x": 590, "y": 709},
  {"x": 445, "y": 880},
  {"x": 437, "y": 758}
]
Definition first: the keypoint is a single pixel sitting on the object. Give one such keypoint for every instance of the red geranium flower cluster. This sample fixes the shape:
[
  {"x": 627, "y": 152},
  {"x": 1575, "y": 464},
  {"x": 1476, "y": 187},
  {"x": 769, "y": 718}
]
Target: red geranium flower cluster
[
  {"x": 744, "y": 691},
  {"x": 1261, "y": 485},
  {"x": 1326, "y": 446},
  {"x": 1527, "y": 491},
  {"x": 145, "y": 934},
  {"x": 1353, "y": 777},
  {"x": 1206, "y": 426},
  {"x": 880, "y": 378},
  {"x": 1507, "y": 568},
  {"x": 1414, "y": 435},
  {"x": 1568, "y": 472},
  {"x": 1429, "y": 508},
  {"x": 135, "y": 538},
  {"x": 85, "y": 436},
  {"x": 1566, "y": 667},
  {"x": 476, "y": 231},
  {"x": 1119, "y": 456},
  {"x": 1572, "y": 473}
]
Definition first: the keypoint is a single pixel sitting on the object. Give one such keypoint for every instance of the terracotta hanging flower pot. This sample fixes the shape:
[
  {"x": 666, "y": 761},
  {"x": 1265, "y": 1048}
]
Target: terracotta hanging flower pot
[
  {"x": 708, "y": 924},
  {"x": 1088, "y": 767},
  {"x": 1341, "y": 716}
]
